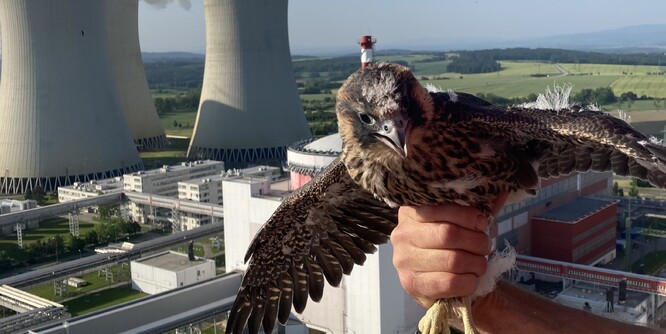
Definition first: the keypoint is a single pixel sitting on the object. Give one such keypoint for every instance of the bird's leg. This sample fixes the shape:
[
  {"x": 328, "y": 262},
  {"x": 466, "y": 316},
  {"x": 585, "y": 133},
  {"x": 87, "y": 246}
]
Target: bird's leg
[
  {"x": 436, "y": 319},
  {"x": 465, "y": 312}
]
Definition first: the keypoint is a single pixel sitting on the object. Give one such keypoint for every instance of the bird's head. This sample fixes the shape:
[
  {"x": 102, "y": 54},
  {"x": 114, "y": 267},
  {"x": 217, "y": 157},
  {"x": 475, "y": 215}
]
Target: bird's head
[{"x": 377, "y": 106}]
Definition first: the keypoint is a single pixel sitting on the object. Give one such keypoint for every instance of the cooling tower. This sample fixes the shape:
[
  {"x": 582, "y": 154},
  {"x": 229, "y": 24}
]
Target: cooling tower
[
  {"x": 135, "y": 99},
  {"x": 60, "y": 115},
  {"x": 250, "y": 110}
]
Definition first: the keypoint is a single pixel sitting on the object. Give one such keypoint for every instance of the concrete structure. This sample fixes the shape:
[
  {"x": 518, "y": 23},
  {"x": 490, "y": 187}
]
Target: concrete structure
[
  {"x": 574, "y": 284},
  {"x": 250, "y": 110},
  {"x": 60, "y": 112},
  {"x": 169, "y": 270},
  {"x": 92, "y": 188},
  {"x": 513, "y": 221},
  {"x": 190, "y": 309},
  {"x": 32, "y": 311},
  {"x": 581, "y": 231},
  {"x": 136, "y": 102},
  {"x": 307, "y": 158},
  {"x": 10, "y": 205},
  {"x": 164, "y": 182},
  {"x": 371, "y": 299}
]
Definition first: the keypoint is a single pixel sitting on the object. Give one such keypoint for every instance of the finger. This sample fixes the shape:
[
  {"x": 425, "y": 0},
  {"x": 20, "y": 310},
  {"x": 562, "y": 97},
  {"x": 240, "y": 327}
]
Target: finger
[
  {"x": 499, "y": 203},
  {"x": 455, "y": 262},
  {"x": 442, "y": 236},
  {"x": 463, "y": 216},
  {"x": 437, "y": 285}
]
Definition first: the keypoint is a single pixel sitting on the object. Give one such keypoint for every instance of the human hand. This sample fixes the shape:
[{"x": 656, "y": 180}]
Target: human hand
[{"x": 440, "y": 252}]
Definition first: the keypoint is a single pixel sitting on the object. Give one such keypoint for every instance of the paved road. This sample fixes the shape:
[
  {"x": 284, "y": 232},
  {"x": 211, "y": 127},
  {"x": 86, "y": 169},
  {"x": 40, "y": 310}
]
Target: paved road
[{"x": 563, "y": 72}]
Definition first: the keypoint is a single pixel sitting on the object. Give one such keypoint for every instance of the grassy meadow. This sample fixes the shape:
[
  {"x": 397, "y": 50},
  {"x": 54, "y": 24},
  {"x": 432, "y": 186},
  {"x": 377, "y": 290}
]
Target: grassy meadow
[{"x": 516, "y": 79}]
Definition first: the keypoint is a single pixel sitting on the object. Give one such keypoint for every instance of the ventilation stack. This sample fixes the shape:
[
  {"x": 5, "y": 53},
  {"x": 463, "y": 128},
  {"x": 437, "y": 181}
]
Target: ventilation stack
[
  {"x": 60, "y": 113},
  {"x": 250, "y": 111}
]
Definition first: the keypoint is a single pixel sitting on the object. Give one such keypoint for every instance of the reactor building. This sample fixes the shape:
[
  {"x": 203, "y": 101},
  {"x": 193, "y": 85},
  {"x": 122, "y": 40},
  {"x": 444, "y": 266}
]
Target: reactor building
[
  {"x": 60, "y": 112},
  {"x": 129, "y": 74},
  {"x": 249, "y": 110}
]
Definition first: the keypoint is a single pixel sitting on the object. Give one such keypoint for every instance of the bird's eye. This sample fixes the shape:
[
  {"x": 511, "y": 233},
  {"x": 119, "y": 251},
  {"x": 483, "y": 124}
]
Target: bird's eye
[{"x": 365, "y": 118}]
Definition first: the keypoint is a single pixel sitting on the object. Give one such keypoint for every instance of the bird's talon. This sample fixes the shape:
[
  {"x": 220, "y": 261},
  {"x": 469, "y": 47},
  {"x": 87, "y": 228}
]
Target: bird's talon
[{"x": 436, "y": 320}]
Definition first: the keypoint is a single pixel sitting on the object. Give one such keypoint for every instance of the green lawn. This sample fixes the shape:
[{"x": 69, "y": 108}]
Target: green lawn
[
  {"x": 185, "y": 119},
  {"x": 160, "y": 158},
  {"x": 102, "y": 299},
  {"x": 48, "y": 229},
  {"x": 94, "y": 282},
  {"x": 654, "y": 261}
]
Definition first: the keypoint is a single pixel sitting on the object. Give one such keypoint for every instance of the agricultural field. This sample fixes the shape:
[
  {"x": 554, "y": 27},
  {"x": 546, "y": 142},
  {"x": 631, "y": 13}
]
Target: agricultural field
[
  {"x": 185, "y": 121},
  {"x": 517, "y": 79}
]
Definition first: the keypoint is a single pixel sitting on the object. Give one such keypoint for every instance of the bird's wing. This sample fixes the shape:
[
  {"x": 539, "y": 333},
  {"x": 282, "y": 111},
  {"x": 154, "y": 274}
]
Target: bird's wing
[
  {"x": 561, "y": 142},
  {"x": 317, "y": 233}
]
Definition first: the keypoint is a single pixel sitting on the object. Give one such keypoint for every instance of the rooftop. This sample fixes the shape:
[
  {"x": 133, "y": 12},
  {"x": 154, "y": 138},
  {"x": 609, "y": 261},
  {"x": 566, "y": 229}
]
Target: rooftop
[
  {"x": 96, "y": 186},
  {"x": 575, "y": 210},
  {"x": 170, "y": 261},
  {"x": 176, "y": 168},
  {"x": 328, "y": 145}
]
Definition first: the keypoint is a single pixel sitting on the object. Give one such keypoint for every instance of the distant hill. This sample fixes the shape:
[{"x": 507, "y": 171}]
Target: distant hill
[
  {"x": 157, "y": 56},
  {"x": 641, "y": 38},
  {"x": 650, "y": 37}
]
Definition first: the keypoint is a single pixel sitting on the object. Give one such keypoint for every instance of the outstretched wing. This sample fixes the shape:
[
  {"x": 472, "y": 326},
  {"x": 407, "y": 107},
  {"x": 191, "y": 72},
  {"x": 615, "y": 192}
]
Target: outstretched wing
[
  {"x": 320, "y": 231},
  {"x": 564, "y": 141}
]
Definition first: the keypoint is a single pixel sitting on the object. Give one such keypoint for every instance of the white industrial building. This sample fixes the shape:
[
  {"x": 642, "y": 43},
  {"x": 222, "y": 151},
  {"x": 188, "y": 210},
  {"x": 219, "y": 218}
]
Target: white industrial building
[
  {"x": 371, "y": 300},
  {"x": 62, "y": 118},
  {"x": 209, "y": 190},
  {"x": 164, "y": 182},
  {"x": 92, "y": 188},
  {"x": 249, "y": 110},
  {"x": 169, "y": 270}
]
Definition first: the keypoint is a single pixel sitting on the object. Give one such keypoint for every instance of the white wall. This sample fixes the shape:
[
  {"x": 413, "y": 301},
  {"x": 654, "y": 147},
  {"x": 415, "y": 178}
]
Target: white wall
[
  {"x": 243, "y": 216},
  {"x": 152, "y": 280}
]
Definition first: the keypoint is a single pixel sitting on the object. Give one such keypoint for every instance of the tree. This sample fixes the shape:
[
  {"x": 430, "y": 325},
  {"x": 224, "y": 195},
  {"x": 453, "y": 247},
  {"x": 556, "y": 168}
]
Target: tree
[
  {"x": 73, "y": 244},
  {"x": 105, "y": 211},
  {"x": 134, "y": 228},
  {"x": 92, "y": 238},
  {"x": 39, "y": 195},
  {"x": 633, "y": 188}
]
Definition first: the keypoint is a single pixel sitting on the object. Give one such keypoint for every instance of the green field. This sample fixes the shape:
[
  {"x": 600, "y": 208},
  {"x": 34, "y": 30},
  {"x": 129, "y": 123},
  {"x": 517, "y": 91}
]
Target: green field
[
  {"x": 186, "y": 119},
  {"x": 95, "y": 282},
  {"x": 48, "y": 228},
  {"x": 518, "y": 79},
  {"x": 102, "y": 299}
]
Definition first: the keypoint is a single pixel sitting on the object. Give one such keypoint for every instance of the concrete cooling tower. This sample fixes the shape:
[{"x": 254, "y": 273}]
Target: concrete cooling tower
[
  {"x": 135, "y": 99},
  {"x": 250, "y": 110},
  {"x": 60, "y": 114}
]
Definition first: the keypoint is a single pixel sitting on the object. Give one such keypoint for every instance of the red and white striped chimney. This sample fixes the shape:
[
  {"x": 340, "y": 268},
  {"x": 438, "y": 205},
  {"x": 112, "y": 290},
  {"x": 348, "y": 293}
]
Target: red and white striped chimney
[{"x": 366, "y": 50}]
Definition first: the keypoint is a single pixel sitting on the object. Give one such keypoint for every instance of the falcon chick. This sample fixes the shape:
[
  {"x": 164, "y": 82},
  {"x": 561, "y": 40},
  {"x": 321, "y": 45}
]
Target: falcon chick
[{"x": 405, "y": 145}]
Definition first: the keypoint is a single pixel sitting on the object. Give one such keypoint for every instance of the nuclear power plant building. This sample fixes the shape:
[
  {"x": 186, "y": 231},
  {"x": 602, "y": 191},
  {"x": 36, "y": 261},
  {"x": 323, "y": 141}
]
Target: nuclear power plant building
[
  {"x": 129, "y": 74},
  {"x": 60, "y": 111},
  {"x": 250, "y": 110}
]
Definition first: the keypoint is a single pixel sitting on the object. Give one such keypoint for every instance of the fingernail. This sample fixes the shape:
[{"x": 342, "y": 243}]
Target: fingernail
[{"x": 481, "y": 223}]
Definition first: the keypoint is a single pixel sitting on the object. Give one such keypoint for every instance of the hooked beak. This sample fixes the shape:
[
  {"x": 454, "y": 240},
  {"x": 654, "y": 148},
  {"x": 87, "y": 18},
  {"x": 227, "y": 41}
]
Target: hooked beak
[{"x": 393, "y": 132}]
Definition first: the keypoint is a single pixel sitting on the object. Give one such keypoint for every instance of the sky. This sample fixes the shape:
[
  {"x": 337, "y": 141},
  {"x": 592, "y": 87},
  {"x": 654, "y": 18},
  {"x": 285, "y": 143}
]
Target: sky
[{"x": 316, "y": 25}]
